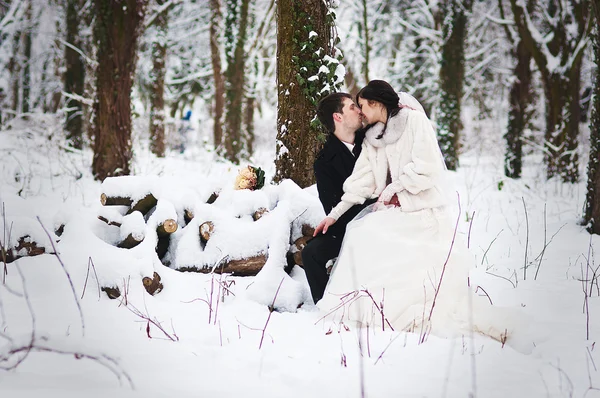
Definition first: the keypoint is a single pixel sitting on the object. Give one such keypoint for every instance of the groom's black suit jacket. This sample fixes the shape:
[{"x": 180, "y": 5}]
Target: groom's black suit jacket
[{"x": 333, "y": 165}]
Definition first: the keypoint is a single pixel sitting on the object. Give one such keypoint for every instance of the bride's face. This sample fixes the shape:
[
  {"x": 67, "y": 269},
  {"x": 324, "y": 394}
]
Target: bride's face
[{"x": 373, "y": 111}]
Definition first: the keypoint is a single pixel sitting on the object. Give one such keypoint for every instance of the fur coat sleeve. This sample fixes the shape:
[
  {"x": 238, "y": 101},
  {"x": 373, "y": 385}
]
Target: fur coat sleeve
[{"x": 415, "y": 181}]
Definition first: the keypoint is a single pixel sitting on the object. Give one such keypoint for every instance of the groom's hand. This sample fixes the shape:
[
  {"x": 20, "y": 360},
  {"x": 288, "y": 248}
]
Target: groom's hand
[{"x": 324, "y": 225}]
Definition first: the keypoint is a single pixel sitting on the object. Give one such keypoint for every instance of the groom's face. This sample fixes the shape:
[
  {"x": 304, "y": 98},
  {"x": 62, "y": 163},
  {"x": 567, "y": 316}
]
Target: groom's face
[{"x": 351, "y": 116}]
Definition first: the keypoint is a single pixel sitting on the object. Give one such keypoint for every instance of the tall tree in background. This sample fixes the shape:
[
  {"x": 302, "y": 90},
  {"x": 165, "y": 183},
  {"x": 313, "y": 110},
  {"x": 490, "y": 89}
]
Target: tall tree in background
[
  {"x": 74, "y": 77},
  {"x": 235, "y": 76},
  {"x": 592, "y": 208},
  {"x": 116, "y": 31},
  {"x": 452, "y": 75},
  {"x": 157, "y": 79},
  {"x": 557, "y": 43},
  {"x": 216, "y": 18},
  {"x": 306, "y": 71},
  {"x": 26, "y": 103},
  {"x": 520, "y": 96}
]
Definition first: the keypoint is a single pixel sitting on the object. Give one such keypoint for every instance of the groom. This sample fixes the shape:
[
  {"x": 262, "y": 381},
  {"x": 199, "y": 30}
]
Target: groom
[{"x": 343, "y": 120}]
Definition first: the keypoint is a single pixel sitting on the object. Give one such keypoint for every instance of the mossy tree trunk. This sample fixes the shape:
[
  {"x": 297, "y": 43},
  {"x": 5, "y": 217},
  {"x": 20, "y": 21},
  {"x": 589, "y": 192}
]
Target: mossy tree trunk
[
  {"x": 452, "y": 75},
  {"x": 157, "y": 81},
  {"x": 219, "y": 82},
  {"x": 592, "y": 208},
  {"x": 235, "y": 78},
  {"x": 300, "y": 57},
  {"x": 74, "y": 76},
  {"x": 117, "y": 27}
]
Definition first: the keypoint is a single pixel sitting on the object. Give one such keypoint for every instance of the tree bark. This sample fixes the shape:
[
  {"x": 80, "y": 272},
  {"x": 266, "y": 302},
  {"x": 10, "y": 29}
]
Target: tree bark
[
  {"x": 592, "y": 206},
  {"x": 116, "y": 31},
  {"x": 519, "y": 98},
  {"x": 74, "y": 76},
  {"x": 26, "y": 103},
  {"x": 452, "y": 74},
  {"x": 157, "y": 95},
  {"x": 561, "y": 82},
  {"x": 14, "y": 69},
  {"x": 219, "y": 82},
  {"x": 234, "y": 89},
  {"x": 297, "y": 138}
]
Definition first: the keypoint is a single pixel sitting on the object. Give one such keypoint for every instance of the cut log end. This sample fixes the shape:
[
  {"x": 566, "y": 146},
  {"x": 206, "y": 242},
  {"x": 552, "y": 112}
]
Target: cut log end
[
  {"x": 206, "y": 230},
  {"x": 114, "y": 200},
  {"x": 130, "y": 242},
  {"x": 188, "y": 216},
  {"x": 259, "y": 213},
  {"x": 211, "y": 199},
  {"x": 152, "y": 285},
  {"x": 111, "y": 292},
  {"x": 167, "y": 227}
]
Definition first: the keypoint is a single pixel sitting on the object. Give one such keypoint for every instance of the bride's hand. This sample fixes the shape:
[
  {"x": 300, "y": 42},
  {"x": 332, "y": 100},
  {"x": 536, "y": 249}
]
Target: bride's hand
[{"x": 324, "y": 225}]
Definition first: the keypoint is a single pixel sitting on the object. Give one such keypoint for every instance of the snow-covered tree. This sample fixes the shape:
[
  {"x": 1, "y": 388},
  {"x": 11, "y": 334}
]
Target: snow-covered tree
[
  {"x": 116, "y": 30},
  {"x": 592, "y": 208},
  {"x": 74, "y": 76},
  {"x": 452, "y": 74},
  {"x": 556, "y": 33}
]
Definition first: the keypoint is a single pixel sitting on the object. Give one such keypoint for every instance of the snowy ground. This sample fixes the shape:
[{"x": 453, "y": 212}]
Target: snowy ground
[{"x": 102, "y": 348}]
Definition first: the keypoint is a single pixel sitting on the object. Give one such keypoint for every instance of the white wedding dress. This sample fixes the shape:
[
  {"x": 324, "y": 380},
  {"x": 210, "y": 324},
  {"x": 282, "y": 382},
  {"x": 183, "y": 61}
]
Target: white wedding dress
[
  {"x": 389, "y": 271},
  {"x": 408, "y": 271}
]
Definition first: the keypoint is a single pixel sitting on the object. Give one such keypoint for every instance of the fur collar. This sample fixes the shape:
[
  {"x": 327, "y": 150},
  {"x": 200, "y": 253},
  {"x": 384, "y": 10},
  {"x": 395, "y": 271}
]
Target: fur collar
[{"x": 395, "y": 127}]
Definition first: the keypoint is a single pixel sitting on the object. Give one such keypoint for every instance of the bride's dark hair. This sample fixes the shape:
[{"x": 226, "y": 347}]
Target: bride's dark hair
[{"x": 381, "y": 91}]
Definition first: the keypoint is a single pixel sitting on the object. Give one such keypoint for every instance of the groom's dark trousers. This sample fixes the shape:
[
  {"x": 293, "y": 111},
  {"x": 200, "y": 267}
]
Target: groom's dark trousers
[{"x": 333, "y": 165}]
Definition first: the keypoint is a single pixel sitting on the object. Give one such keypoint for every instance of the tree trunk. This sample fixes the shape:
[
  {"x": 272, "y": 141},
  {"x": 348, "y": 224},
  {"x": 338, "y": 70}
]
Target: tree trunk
[
  {"x": 249, "y": 123},
  {"x": 26, "y": 103},
  {"x": 559, "y": 60},
  {"x": 116, "y": 32},
  {"x": 592, "y": 205},
  {"x": 219, "y": 82},
  {"x": 14, "y": 68},
  {"x": 520, "y": 97},
  {"x": 157, "y": 94},
  {"x": 367, "y": 49},
  {"x": 452, "y": 74},
  {"x": 234, "y": 89},
  {"x": 74, "y": 75},
  {"x": 299, "y": 57}
]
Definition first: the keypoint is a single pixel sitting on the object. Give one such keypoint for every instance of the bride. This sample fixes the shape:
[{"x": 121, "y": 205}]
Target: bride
[{"x": 401, "y": 265}]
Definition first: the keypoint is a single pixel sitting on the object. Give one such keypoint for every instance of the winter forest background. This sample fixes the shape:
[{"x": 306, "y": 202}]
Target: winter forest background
[
  {"x": 525, "y": 67},
  {"x": 154, "y": 106}
]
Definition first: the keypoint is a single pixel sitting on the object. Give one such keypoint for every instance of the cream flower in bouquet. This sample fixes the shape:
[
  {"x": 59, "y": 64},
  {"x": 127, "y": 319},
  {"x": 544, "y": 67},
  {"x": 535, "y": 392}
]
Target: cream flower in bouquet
[{"x": 250, "y": 177}]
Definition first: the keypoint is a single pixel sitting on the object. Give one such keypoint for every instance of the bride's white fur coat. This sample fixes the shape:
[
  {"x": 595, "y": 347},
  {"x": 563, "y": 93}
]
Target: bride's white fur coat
[{"x": 409, "y": 150}]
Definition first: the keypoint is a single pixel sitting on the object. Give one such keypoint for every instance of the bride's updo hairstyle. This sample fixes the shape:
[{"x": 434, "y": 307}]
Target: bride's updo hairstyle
[{"x": 380, "y": 91}]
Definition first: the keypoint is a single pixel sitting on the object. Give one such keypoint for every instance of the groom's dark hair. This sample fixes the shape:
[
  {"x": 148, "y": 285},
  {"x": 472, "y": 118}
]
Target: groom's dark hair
[{"x": 333, "y": 103}]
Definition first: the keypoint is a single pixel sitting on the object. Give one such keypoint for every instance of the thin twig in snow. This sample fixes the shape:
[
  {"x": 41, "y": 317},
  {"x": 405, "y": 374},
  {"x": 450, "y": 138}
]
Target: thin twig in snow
[
  {"x": 490, "y": 246},
  {"x": 447, "y": 259},
  {"x": 271, "y": 309},
  {"x": 90, "y": 262},
  {"x": 526, "y": 239},
  {"x": 67, "y": 274},
  {"x": 469, "y": 234}
]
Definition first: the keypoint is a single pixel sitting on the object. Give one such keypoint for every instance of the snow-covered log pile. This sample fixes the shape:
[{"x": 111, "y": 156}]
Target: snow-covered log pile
[
  {"x": 238, "y": 232},
  {"x": 22, "y": 237}
]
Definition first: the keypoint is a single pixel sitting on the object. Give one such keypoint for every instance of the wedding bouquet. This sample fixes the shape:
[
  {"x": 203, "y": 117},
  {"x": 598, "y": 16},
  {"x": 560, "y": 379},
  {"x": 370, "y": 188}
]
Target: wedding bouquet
[{"x": 251, "y": 178}]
